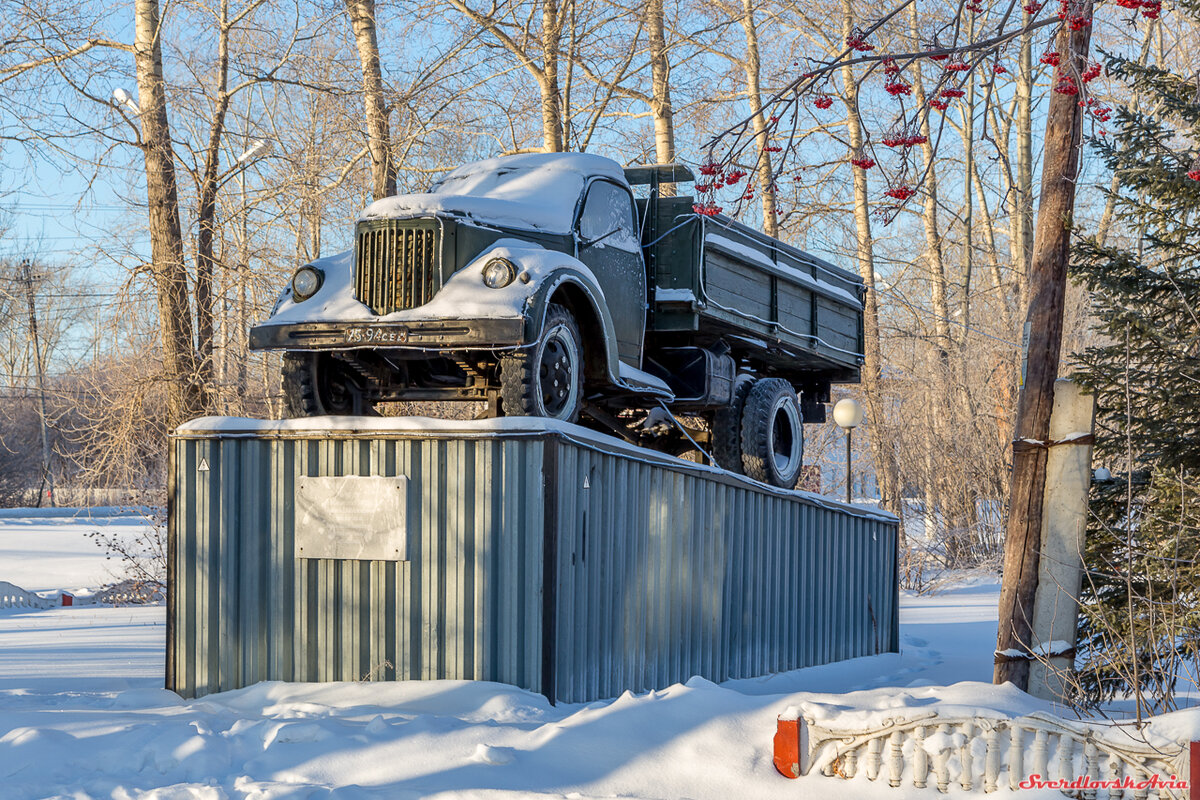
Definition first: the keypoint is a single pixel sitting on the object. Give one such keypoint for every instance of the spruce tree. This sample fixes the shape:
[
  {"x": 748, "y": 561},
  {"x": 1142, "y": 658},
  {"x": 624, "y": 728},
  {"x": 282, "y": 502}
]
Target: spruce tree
[{"x": 1140, "y": 619}]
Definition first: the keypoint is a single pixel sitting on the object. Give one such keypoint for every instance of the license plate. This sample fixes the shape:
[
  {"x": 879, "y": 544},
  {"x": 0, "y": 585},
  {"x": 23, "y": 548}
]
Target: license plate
[{"x": 376, "y": 335}]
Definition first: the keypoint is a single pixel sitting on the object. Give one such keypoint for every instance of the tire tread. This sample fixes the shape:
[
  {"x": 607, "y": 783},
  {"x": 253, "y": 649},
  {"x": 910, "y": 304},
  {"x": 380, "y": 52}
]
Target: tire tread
[{"x": 755, "y": 430}]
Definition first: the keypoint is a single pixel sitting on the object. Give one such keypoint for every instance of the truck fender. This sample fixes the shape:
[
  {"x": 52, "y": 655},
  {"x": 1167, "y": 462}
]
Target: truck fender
[
  {"x": 550, "y": 276},
  {"x": 581, "y": 296}
]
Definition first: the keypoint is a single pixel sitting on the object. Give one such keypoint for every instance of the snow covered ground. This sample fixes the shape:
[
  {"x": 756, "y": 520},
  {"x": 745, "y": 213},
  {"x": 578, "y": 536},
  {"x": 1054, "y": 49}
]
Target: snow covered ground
[{"x": 81, "y": 714}]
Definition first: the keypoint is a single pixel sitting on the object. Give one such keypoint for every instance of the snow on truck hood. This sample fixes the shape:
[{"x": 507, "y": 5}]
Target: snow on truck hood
[{"x": 536, "y": 191}]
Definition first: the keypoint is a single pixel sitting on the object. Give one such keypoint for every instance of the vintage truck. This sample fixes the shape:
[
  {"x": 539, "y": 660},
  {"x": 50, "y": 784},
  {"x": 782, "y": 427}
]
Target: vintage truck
[{"x": 543, "y": 285}]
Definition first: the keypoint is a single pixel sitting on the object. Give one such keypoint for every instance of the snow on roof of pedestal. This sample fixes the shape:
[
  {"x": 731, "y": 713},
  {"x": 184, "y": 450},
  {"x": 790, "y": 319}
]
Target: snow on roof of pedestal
[{"x": 239, "y": 427}]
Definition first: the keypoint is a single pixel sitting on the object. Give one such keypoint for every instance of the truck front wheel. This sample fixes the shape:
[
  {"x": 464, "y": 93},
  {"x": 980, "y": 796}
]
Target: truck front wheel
[
  {"x": 772, "y": 434},
  {"x": 546, "y": 380},
  {"x": 315, "y": 384}
]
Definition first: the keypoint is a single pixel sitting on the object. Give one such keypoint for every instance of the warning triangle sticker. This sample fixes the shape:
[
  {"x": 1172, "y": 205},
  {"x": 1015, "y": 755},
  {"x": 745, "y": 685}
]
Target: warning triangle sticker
[
  {"x": 586, "y": 483},
  {"x": 203, "y": 465}
]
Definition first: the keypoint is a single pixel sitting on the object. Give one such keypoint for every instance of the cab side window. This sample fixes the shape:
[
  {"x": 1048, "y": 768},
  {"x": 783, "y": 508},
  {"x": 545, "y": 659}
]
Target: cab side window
[{"x": 608, "y": 207}]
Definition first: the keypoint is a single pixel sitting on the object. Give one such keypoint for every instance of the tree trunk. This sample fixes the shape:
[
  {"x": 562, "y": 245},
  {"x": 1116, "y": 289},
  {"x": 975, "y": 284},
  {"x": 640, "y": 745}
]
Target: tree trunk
[
  {"x": 1022, "y": 199},
  {"x": 379, "y": 140},
  {"x": 881, "y": 449},
  {"x": 968, "y": 256},
  {"x": 552, "y": 126},
  {"x": 762, "y": 133},
  {"x": 1047, "y": 281},
  {"x": 186, "y": 395},
  {"x": 933, "y": 236},
  {"x": 207, "y": 206},
  {"x": 660, "y": 77},
  {"x": 989, "y": 241}
]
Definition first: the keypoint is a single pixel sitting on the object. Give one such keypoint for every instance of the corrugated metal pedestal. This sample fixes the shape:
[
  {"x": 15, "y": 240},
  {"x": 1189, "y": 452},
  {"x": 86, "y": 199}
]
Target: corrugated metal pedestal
[{"x": 515, "y": 550}]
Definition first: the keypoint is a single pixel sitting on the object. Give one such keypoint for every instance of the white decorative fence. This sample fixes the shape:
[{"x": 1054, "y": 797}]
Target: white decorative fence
[
  {"x": 15, "y": 597},
  {"x": 1083, "y": 759}
]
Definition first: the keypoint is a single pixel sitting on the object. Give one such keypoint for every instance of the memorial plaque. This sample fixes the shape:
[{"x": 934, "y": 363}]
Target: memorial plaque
[{"x": 352, "y": 518}]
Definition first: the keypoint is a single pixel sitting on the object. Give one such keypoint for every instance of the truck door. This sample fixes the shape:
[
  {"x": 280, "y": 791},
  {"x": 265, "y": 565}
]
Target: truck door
[{"x": 608, "y": 243}]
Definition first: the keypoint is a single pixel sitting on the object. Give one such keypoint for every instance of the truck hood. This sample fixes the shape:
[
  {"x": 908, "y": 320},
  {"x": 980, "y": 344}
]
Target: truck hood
[{"x": 555, "y": 216}]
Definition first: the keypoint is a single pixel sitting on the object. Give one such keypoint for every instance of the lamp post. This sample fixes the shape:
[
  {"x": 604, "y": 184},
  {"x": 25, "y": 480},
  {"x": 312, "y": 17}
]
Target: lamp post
[{"x": 848, "y": 414}]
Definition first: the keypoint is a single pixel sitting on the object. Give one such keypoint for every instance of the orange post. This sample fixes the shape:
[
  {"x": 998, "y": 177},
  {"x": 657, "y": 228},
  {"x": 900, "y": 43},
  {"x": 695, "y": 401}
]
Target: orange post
[
  {"x": 787, "y": 747},
  {"x": 1193, "y": 770}
]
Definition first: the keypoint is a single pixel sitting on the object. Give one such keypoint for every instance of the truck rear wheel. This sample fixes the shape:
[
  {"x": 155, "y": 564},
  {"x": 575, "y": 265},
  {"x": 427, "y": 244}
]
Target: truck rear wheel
[
  {"x": 546, "y": 380},
  {"x": 772, "y": 434},
  {"x": 315, "y": 384},
  {"x": 727, "y": 427}
]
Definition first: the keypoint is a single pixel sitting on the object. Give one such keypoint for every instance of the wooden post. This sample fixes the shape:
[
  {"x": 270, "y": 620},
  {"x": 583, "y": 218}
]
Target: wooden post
[
  {"x": 1048, "y": 278},
  {"x": 787, "y": 747},
  {"x": 1194, "y": 770}
]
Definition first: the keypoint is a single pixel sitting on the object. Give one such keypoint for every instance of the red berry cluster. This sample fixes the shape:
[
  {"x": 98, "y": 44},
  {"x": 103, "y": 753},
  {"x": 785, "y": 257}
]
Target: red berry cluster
[
  {"x": 1101, "y": 113},
  {"x": 719, "y": 177},
  {"x": 1151, "y": 9},
  {"x": 903, "y": 140},
  {"x": 940, "y": 105},
  {"x": 890, "y": 67},
  {"x": 857, "y": 40},
  {"x": 934, "y": 44},
  {"x": 1051, "y": 57},
  {"x": 999, "y": 69},
  {"x": 974, "y": 6},
  {"x": 1066, "y": 85},
  {"x": 901, "y": 193},
  {"x": 863, "y": 162},
  {"x": 1194, "y": 174},
  {"x": 771, "y": 148},
  {"x": 1071, "y": 16},
  {"x": 957, "y": 65},
  {"x": 706, "y": 207},
  {"x": 897, "y": 88},
  {"x": 1032, "y": 7},
  {"x": 823, "y": 102},
  {"x": 1091, "y": 73},
  {"x": 952, "y": 93}
]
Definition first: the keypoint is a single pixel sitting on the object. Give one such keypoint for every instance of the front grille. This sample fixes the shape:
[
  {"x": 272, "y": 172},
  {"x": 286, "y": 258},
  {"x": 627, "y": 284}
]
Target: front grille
[{"x": 396, "y": 264}]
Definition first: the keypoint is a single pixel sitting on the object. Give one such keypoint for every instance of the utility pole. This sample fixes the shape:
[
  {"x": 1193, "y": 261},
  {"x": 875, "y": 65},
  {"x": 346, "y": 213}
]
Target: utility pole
[
  {"x": 1044, "y": 321},
  {"x": 47, "y": 485},
  {"x": 242, "y": 334}
]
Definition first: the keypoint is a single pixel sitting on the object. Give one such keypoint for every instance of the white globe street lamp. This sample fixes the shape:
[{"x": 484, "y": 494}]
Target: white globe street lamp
[
  {"x": 848, "y": 415},
  {"x": 257, "y": 149},
  {"x": 124, "y": 98}
]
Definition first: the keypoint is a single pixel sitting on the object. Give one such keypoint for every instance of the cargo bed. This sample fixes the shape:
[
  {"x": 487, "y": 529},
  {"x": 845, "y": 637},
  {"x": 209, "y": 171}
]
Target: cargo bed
[{"x": 781, "y": 310}]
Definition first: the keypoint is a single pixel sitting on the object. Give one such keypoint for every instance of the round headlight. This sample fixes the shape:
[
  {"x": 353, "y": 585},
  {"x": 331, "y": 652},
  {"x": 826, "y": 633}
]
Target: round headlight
[
  {"x": 499, "y": 273},
  {"x": 305, "y": 283}
]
